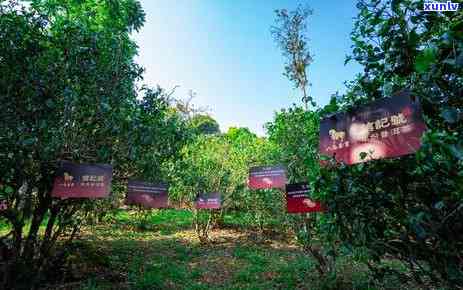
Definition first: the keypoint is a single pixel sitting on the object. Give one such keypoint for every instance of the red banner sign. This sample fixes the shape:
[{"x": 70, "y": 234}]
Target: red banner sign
[
  {"x": 211, "y": 200},
  {"x": 147, "y": 194},
  {"x": 389, "y": 127},
  {"x": 82, "y": 180},
  {"x": 3, "y": 205},
  {"x": 298, "y": 199},
  {"x": 261, "y": 177}
]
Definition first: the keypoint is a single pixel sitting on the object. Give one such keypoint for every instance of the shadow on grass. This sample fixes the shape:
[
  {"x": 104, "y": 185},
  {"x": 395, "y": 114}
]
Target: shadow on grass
[
  {"x": 145, "y": 261},
  {"x": 119, "y": 255},
  {"x": 163, "y": 221}
]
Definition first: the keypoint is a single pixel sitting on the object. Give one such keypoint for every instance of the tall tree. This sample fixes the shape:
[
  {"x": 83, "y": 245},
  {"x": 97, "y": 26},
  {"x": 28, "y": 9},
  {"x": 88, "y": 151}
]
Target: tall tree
[{"x": 290, "y": 34}]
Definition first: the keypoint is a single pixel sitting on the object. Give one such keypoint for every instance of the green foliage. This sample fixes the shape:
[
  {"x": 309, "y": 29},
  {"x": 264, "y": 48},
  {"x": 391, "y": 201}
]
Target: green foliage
[
  {"x": 425, "y": 60},
  {"x": 67, "y": 79},
  {"x": 295, "y": 130},
  {"x": 202, "y": 168},
  {"x": 407, "y": 208},
  {"x": 68, "y": 91},
  {"x": 113, "y": 257},
  {"x": 153, "y": 136},
  {"x": 204, "y": 124},
  {"x": 220, "y": 163},
  {"x": 290, "y": 34}
]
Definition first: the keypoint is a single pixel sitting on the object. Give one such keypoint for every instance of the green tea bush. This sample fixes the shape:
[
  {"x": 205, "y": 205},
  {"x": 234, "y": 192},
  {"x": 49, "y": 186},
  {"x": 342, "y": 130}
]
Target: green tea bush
[{"x": 409, "y": 208}]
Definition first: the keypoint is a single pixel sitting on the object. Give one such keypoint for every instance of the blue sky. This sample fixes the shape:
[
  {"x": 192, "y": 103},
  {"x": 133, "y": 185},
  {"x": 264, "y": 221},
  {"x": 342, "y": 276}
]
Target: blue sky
[{"x": 223, "y": 50}]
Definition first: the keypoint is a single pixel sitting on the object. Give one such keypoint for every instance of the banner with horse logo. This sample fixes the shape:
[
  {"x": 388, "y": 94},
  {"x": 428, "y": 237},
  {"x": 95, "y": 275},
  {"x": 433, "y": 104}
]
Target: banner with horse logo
[
  {"x": 388, "y": 127},
  {"x": 82, "y": 180}
]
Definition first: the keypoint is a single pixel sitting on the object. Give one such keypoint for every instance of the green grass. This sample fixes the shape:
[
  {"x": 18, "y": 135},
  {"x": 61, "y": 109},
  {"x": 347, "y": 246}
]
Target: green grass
[
  {"x": 170, "y": 257},
  {"x": 243, "y": 220},
  {"x": 165, "y": 221},
  {"x": 4, "y": 226},
  {"x": 119, "y": 254}
]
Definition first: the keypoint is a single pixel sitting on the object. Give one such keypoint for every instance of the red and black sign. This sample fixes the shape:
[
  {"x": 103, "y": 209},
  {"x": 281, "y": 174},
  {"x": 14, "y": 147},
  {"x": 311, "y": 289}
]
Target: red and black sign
[
  {"x": 261, "y": 177},
  {"x": 3, "y": 205},
  {"x": 388, "y": 127},
  {"x": 147, "y": 194},
  {"x": 211, "y": 200},
  {"x": 298, "y": 199},
  {"x": 82, "y": 180}
]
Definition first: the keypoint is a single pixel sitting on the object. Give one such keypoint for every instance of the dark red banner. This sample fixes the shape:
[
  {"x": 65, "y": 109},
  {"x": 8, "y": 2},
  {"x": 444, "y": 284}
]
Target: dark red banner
[
  {"x": 261, "y": 177},
  {"x": 298, "y": 199},
  {"x": 82, "y": 180},
  {"x": 211, "y": 200},
  {"x": 3, "y": 205},
  {"x": 147, "y": 194},
  {"x": 388, "y": 127}
]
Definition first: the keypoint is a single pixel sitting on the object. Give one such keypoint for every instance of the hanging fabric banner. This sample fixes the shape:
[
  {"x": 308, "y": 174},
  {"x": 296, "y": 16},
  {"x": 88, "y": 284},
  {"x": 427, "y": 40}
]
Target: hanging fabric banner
[
  {"x": 388, "y": 127},
  {"x": 147, "y": 194},
  {"x": 262, "y": 177},
  {"x": 82, "y": 180},
  {"x": 211, "y": 200},
  {"x": 298, "y": 199},
  {"x": 3, "y": 205}
]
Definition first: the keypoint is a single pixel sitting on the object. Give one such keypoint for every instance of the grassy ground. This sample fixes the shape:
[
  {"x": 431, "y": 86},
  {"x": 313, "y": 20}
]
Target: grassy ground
[{"x": 118, "y": 255}]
